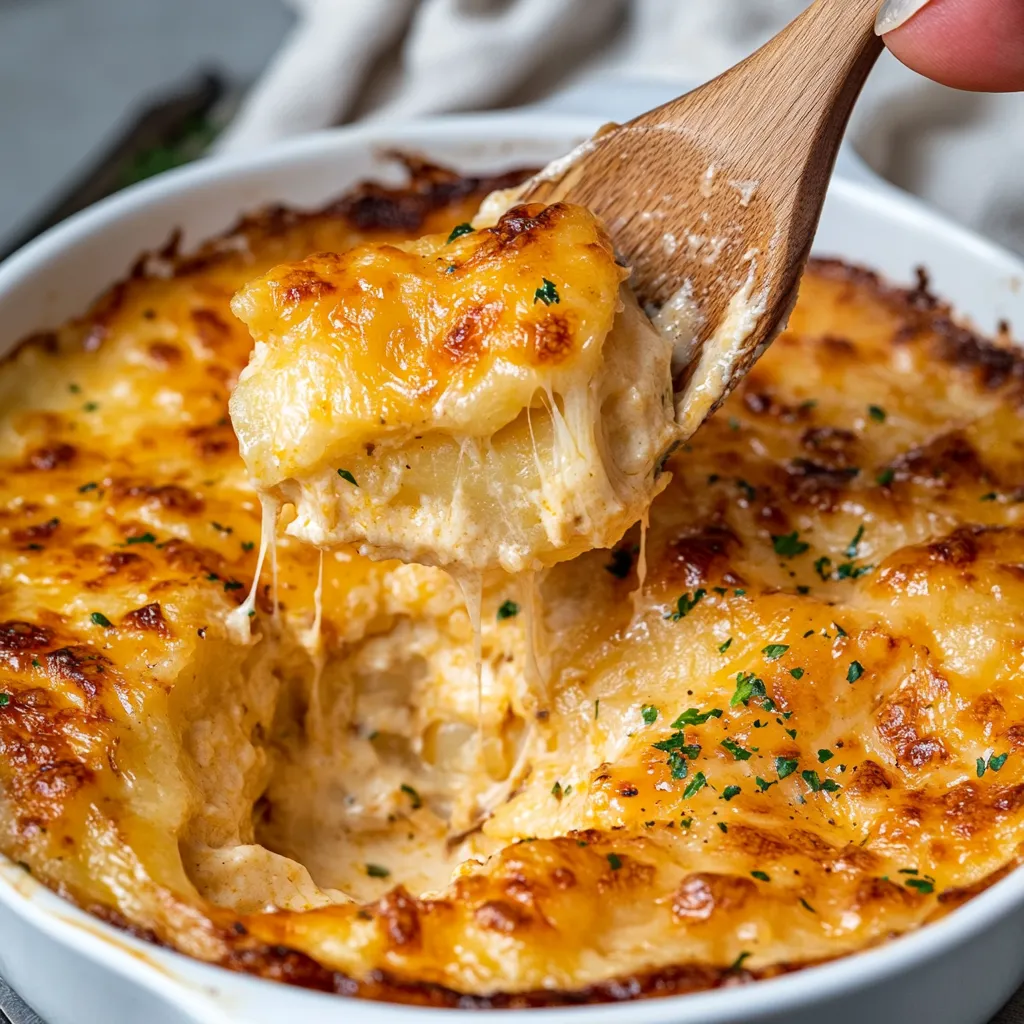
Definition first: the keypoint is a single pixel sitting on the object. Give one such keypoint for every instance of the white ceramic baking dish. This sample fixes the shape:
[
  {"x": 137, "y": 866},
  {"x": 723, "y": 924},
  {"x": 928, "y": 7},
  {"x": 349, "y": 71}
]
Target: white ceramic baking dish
[{"x": 76, "y": 970}]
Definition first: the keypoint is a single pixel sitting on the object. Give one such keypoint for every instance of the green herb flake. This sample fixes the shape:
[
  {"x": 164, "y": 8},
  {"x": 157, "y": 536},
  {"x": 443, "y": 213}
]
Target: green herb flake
[
  {"x": 729, "y": 792},
  {"x": 693, "y": 716},
  {"x": 736, "y": 750},
  {"x": 791, "y": 733},
  {"x": 5, "y": 699},
  {"x": 248, "y": 545},
  {"x": 996, "y": 761},
  {"x": 99, "y": 619},
  {"x": 142, "y": 538},
  {"x": 785, "y": 766},
  {"x": 980, "y": 766},
  {"x": 823, "y": 567},
  {"x": 885, "y": 477},
  {"x": 90, "y": 406},
  {"x": 649, "y": 713},
  {"x": 414, "y": 797},
  {"x": 556, "y": 791},
  {"x": 722, "y": 648},
  {"x": 734, "y": 424},
  {"x": 877, "y": 413},
  {"x": 459, "y": 230},
  {"x": 686, "y": 604},
  {"x": 614, "y": 861},
  {"x": 546, "y": 293},
  {"x": 346, "y": 475},
  {"x": 761, "y": 876},
  {"x": 806, "y": 905},
  {"x": 762, "y": 784},
  {"x": 991, "y": 496},
  {"x": 220, "y": 528},
  {"x": 686, "y": 822},
  {"x": 922, "y": 885},
  {"x": 90, "y": 486},
  {"x": 749, "y": 687},
  {"x": 695, "y": 786},
  {"x": 677, "y": 766},
  {"x": 74, "y": 389},
  {"x": 851, "y": 548},
  {"x": 737, "y": 964},
  {"x": 508, "y": 610},
  {"x": 817, "y": 786},
  {"x": 621, "y": 563},
  {"x": 796, "y": 673},
  {"x": 825, "y": 755},
  {"x": 750, "y": 493},
  {"x": 774, "y": 651},
  {"x": 378, "y": 871},
  {"x": 232, "y": 585},
  {"x": 789, "y": 545},
  {"x": 722, "y": 826},
  {"x": 854, "y": 672}
]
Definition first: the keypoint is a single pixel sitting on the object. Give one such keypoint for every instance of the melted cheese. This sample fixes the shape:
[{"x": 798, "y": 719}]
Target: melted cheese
[
  {"x": 319, "y": 823},
  {"x": 488, "y": 400}
]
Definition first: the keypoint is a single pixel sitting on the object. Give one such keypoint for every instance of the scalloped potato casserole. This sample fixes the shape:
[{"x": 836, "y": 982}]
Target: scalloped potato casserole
[{"x": 783, "y": 726}]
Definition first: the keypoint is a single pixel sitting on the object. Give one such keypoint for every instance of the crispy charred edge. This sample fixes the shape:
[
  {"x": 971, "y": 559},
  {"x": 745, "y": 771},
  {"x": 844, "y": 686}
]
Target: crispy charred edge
[
  {"x": 997, "y": 363},
  {"x": 367, "y": 206}
]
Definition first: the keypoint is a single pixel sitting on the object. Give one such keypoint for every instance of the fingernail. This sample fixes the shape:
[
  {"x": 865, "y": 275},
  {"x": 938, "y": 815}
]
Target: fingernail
[{"x": 894, "y": 13}]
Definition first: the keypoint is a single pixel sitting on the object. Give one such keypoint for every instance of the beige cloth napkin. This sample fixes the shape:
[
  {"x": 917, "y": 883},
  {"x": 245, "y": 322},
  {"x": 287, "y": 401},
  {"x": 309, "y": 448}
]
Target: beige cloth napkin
[
  {"x": 349, "y": 60},
  {"x": 375, "y": 59}
]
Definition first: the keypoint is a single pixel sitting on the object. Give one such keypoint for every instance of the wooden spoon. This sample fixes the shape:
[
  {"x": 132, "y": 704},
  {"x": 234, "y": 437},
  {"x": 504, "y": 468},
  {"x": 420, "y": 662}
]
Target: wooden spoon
[{"x": 713, "y": 199}]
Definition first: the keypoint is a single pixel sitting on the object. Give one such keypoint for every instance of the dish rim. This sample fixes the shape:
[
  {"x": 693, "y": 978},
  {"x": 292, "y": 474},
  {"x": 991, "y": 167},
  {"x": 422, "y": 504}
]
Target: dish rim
[{"x": 203, "y": 990}]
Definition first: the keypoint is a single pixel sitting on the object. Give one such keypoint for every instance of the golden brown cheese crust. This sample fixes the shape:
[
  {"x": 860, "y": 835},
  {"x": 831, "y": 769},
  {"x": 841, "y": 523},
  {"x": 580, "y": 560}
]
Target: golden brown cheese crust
[{"x": 832, "y": 578}]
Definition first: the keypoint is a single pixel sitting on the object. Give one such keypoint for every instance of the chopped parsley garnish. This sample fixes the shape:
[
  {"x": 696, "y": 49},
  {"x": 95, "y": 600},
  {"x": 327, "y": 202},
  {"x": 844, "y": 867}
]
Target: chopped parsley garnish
[
  {"x": 806, "y": 905},
  {"x": 417, "y": 801},
  {"x": 729, "y": 792},
  {"x": 825, "y": 755},
  {"x": 686, "y": 822},
  {"x": 686, "y": 604},
  {"x": 508, "y": 610},
  {"x": 736, "y": 750},
  {"x": 750, "y": 493},
  {"x": 677, "y": 766},
  {"x": 761, "y": 876},
  {"x": 346, "y": 475},
  {"x": 90, "y": 486},
  {"x": 621, "y": 563},
  {"x": 991, "y": 496},
  {"x": 90, "y": 406},
  {"x": 99, "y": 619},
  {"x": 232, "y": 585},
  {"x": 823, "y": 567},
  {"x": 556, "y": 791},
  {"x": 378, "y": 871},
  {"x": 854, "y": 672},
  {"x": 74, "y": 389},
  {"x": 142, "y": 538},
  {"x": 791, "y": 733},
  {"x": 785, "y": 767},
  {"x": 737, "y": 964},
  {"x": 749, "y": 687},
  {"x": 614, "y": 861},
  {"x": 796, "y": 673},
  {"x": 546, "y": 293},
  {"x": 5, "y": 699},
  {"x": 774, "y": 651},
  {"x": 691, "y": 716},
  {"x": 995, "y": 762},
  {"x": 885, "y": 477},
  {"x": 877, "y": 413},
  {"x": 221, "y": 528},
  {"x": 788, "y": 545},
  {"x": 722, "y": 648},
  {"x": 677, "y": 741},
  {"x": 762, "y": 785},
  {"x": 722, "y": 826},
  {"x": 851, "y": 548},
  {"x": 459, "y": 230},
  {"x": 922, "y": 885},
  {"x": 849, "y": 571},
  {"x": 36, "y": 663},
  {"x": 734, "y": 424},
  {"x": 817, "y": 786},
  {"x": 649, "y": 713},
  {"x": 698, "y": 783}
]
